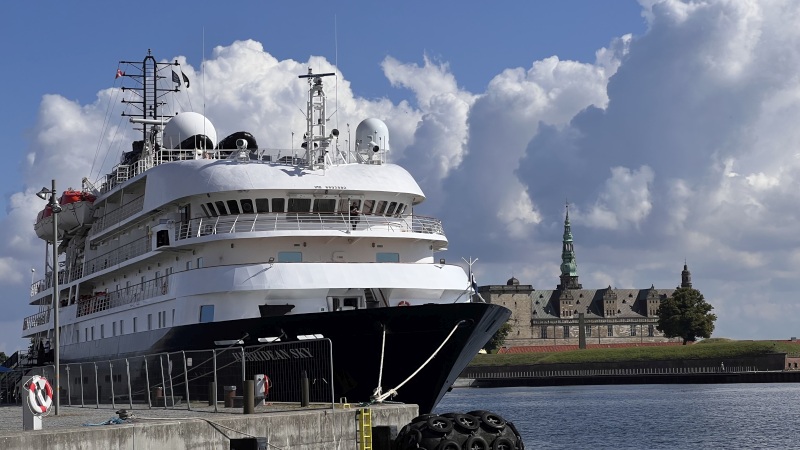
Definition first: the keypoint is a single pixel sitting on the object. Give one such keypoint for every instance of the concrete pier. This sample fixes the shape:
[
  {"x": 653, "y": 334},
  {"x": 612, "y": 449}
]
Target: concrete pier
[{"x": 296, "y": 429}]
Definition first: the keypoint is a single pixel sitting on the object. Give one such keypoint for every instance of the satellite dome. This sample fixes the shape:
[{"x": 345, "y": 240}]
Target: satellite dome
[
  {"x": 371, "y": 133},
  {"x": 186, "y": 125},
  {"x": 512, "y": 282}
]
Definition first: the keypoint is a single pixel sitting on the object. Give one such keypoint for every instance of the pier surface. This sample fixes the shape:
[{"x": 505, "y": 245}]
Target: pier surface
[{"x": 290, "y": 427}]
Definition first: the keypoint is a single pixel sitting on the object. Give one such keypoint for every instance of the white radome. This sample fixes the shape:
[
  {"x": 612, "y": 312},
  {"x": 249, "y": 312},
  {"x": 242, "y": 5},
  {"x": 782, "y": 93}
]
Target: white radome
[{"x": 186, "y": 125}]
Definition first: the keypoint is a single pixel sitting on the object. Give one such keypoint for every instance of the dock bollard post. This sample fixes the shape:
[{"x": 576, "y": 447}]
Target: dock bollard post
[
  {"x": 304, "y": 390},
  {"x": 249, "y": 396},
  {"x": 212, "y": 393},
  {"x": 230, "y": 393}
]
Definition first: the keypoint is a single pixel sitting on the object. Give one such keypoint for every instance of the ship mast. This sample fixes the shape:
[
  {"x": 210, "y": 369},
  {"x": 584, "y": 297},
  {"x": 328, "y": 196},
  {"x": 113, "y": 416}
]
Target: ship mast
[{"x": 316, "y": 141}]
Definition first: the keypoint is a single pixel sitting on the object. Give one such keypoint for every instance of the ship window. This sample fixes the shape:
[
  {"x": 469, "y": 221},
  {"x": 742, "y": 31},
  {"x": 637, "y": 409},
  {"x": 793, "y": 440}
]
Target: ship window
[
  {"x": 299, "y": 205},
  {"x": 86, "y": 334},
  {"x": 77, "y": 335},
  {"x": 368, "y": 204},
  {"x": 149, "y": 322},
  {"x": 134, "y": 325},
  {"x": 188, "y": 265},
  {"x": 206, "y": 313},
  {"x": 200, "y": 262},
  {"x": 262, "y": 205},
  {"x": 233, "y": 206},
  {"x": 387, "y": 257},
  {"x": 290, "y": 257},
  {"x": 211, "y": 209},
  {"x": 205, "y": 210},
  {"x": 381, "y": 207},
  {"x": 102, "y": 331},
  {"x": 392, "y": 207},
  {"x": 221, "y": 208},
  {"x": 122, "y": 327},
  {"x": 324, "y": 205},
  {"x": 114, "y": 328},
  {"x": 401, "y": 208},
  {"x": 92, "y": 334},
  {"x": 247, "y": 206},
  {"x": 278, "y": 205}
]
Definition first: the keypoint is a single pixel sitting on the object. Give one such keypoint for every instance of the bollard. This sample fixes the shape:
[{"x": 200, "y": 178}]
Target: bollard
[
  {"x": 212, "y": 394},
  {"x": 249, "y": 396},
  {"x": 230, "y": 393},
  {"x": 304, "y": 389}
]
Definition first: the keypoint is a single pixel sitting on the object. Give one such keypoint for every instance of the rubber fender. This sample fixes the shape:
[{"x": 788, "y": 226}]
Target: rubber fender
[
  {"x": 476, "y": 443},
  {"x": 440, "y": 424},
  {"x": 447, "y": 444},
  {"x": 503, "y": 443}
]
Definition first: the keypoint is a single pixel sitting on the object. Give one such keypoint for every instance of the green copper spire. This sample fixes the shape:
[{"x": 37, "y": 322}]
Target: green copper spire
[{"x": 569, "y": 268}]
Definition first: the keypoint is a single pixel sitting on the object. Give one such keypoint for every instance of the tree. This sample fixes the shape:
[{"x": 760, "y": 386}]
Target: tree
[
  {"x": 686, "y": 315},
  {"x": 3, "y": 357},
  {"x": 499, "y": 337}
]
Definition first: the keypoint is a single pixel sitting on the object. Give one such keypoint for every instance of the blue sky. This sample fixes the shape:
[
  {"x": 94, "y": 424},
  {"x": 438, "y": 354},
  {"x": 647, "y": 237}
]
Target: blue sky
[{"x": 668, "y": 124}]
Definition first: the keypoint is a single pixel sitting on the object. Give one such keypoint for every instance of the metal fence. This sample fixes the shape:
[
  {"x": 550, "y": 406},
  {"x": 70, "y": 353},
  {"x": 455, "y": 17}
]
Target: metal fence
[
  {"x": 477, "y": 374},
  {"x": 208, "y": 380}
]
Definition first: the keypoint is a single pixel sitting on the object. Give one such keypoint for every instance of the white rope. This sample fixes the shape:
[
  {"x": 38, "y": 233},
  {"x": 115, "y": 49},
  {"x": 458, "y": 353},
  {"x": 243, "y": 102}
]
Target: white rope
[
  {"x": 391, "y": 392},
  {"x": 378, "y": 390}
]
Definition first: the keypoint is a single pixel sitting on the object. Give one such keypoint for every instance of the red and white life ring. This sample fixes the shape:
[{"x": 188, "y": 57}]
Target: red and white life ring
[
  {"x": 164, "y": 288},
  {"x": 40, "y": 394},
  {"x": 403, "y": 303}
]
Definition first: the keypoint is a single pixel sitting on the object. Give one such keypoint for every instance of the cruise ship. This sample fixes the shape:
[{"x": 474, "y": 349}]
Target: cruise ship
[{"x": 192, "y": 240}]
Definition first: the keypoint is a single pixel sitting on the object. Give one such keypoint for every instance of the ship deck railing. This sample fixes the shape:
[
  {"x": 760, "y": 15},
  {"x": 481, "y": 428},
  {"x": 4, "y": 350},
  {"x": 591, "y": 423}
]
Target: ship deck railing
[
  {"x": 273, "y": 156},
  {"x": 209, "y": 380},
  {"x": 244, "y": 223}
]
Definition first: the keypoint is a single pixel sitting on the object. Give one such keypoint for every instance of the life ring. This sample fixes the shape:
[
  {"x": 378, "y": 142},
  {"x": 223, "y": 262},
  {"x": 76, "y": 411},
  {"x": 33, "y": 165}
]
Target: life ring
[
  {"x": 403, "y": 303},
  {"x": 40, "y": 394},
  {"x": 267, "y": 385},
  {"x": 164, "y": 288}
]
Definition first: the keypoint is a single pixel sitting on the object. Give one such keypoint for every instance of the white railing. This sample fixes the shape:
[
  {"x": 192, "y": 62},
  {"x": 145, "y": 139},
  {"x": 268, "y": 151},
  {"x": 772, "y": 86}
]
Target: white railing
[
  {"x": 118, "y": 215},
  {"x": 102, "y": 301},
  {"x": 37, "y": 319},
  {"x": 244, "y": 223},
  {"x": 114, "y": 257}
]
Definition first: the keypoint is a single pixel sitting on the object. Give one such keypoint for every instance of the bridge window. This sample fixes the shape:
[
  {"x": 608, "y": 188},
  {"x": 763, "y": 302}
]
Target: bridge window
[
  {"x": 278, "y": 205},
  {"x": 392, "y": 207},
  {"x": 247, "y": 206},
  {"x": 233, "y": 206},
  {"x": 387, "y": 257},
  {"x": 381, "y": 207},
  {"x": 368, "y": 205},
  {"x": 324, "y": 205},
  {"x": 221, "y": 208},
  {"x": 262, "y": 205},
  {"x": 290, "y": 257},
  {"x": 211, "y": 209},
  {"x": 299, "y": 205}
]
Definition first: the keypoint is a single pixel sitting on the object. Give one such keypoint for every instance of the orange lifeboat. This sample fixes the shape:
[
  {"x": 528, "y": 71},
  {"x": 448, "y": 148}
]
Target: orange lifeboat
[{"x": 77, "y": 209}]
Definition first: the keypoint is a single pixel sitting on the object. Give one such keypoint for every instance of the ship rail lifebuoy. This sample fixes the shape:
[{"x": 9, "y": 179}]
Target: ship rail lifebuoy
[
  {"x": 40, "y": 395},
  {"x": 403, "y": 303},
  {"x": 164, "y": 288}
]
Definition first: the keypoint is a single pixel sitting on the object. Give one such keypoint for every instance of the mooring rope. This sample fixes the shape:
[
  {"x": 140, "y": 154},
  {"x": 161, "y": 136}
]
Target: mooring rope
[
  {"x": 391, "y": 392},
  {"x": 378, "y": 390}
]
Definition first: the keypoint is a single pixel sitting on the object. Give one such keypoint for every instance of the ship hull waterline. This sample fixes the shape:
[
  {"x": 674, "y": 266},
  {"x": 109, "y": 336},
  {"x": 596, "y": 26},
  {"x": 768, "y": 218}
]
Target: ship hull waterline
[{"x": 413, "y": 334}]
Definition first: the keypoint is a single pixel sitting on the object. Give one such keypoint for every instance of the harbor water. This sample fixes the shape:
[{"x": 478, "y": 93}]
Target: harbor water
[{"x": 643, "y": 416}]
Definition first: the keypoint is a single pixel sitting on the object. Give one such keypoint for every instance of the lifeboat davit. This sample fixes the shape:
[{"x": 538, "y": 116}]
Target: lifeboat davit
[{"x": 77, "y": 209}]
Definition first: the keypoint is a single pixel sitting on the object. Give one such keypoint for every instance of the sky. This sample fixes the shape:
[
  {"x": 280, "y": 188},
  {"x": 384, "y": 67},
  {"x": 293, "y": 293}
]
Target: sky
[{"x": 667, "y": 125}]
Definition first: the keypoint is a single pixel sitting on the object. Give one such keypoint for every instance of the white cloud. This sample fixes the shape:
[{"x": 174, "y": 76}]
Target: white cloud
[{"x": 625, "y": 200}]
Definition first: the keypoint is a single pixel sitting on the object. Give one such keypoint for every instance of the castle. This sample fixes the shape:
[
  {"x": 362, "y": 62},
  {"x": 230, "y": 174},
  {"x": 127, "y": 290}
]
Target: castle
[{"x": 551, "y": 317}]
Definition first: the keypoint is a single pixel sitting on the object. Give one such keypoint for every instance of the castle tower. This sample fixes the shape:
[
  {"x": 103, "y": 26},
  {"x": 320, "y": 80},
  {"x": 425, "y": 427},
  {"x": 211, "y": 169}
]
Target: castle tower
[
  {"x": 569, "y": 268},
  {"x": 686, "y": 277}
]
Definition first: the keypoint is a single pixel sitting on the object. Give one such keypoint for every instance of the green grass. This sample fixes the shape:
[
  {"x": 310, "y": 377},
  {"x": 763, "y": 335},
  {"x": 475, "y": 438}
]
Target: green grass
[{"x": 708, "y": 349}]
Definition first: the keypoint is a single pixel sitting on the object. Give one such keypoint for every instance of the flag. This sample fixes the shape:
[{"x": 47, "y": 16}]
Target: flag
[
  {"x": 120, "y": 73},
  {"x": 186, "y": 79},
  {"x": 175, "y": 78},
  {"x": 474, "y": 285}
]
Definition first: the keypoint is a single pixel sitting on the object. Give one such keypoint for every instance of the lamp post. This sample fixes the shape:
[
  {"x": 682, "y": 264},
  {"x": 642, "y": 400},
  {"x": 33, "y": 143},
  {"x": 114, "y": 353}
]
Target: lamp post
[{"x": 55, "y": 208}]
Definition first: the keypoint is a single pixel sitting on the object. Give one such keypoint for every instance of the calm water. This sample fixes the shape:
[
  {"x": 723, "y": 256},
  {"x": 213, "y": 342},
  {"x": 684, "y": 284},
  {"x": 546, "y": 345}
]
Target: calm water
[{"x": 643, "y": 416}]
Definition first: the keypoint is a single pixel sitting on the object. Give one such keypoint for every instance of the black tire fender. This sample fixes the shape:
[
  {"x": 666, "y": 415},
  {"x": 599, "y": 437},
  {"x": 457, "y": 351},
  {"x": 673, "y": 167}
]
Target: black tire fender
[
  {"x": 422, "y": 418},
  {"x": 466, "y": 422},
  {"x": 440, "y": 424},
  {"x": 476, "y": 443},
  {"x": 447, "y": 444},
  {"x": 503, "y": 443},
  {"x": 493, "y": 421}
]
